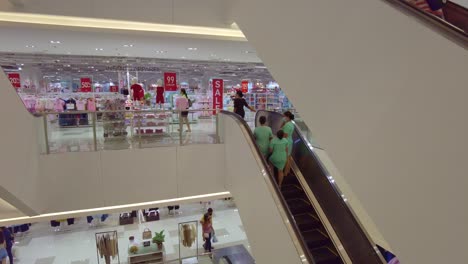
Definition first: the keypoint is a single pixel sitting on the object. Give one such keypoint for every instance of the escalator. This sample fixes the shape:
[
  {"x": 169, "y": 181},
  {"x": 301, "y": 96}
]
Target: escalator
[
  {"x": 326, "y": 228},
  {"x": 318, "y": 242}
]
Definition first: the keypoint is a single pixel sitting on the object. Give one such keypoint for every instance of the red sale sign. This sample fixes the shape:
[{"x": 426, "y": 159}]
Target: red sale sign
[
  {"x": 245, "y": 86},
  {"x": 218, "y": 89},
  {"x": 113, "y": 89},
  {"x": 170, "y": 81},
  {"x": 15, "y": 80},
  {"x": 85, "y": 85}
]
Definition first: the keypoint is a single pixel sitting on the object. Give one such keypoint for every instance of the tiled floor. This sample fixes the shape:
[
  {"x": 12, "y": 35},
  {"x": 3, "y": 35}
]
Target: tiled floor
[{"x": 75, "y": 244}]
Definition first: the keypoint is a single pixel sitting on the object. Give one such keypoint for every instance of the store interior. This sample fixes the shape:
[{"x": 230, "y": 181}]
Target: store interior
[
  {"x": 83, "y": 96},
  {"x": 75, "y": 240}
]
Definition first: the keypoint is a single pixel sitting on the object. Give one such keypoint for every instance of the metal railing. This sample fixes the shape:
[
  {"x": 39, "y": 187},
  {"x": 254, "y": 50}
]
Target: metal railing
[{"x": 80, "y": 131}]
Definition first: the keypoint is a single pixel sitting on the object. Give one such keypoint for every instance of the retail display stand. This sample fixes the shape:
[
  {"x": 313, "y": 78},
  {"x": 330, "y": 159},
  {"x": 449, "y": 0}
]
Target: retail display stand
[
  {"x": 152, "y": 124},
  {"x": 107, "y": 244},
  {"x": 188, "y": 242},
  {"x": 146, "y": 254}
]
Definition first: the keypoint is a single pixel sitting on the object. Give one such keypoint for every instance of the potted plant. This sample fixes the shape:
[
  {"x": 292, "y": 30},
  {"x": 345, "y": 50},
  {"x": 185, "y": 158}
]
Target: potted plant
[{"x": 159, "y": 239}]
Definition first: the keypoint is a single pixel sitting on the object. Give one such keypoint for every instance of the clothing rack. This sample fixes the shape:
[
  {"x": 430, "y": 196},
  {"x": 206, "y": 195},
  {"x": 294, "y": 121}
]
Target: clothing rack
[{"x": 107, "y": 244}]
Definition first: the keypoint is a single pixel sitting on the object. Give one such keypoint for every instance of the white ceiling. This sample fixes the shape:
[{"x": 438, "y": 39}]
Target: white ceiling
[{"x": 25, "y": 39}]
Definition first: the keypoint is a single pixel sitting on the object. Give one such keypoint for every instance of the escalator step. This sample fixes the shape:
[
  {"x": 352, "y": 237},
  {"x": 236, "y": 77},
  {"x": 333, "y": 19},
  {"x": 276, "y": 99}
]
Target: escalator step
[
  {"x": 325, "y": 255},
  {"x": 307, "y": 222},
  {"x": 291, "y": 191},
  {"x": 299, "y": 206},
  {"x": 290, "y": 179},
  {"x": 315, "y": 239}
]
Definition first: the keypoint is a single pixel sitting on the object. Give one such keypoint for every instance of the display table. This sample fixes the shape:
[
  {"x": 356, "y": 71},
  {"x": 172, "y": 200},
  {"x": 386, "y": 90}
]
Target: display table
[{"x": 149, "y": 254}]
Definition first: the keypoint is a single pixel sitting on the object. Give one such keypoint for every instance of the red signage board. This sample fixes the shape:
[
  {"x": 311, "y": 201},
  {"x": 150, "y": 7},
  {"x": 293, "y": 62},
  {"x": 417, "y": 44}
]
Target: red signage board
[
  {"x": 15, "y": 80},
  {"x": 113, "y": 89},
  {"x": 170, "y": 81},
  {"x": 245, "y": 86},
  {"x": 85, "y": 85},
  {"x": 218, "y": 89}
]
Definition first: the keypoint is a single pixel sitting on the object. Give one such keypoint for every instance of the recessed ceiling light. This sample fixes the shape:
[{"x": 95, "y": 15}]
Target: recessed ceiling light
[
  {"x": 128, "y": 45},
  {"x": 192, "y": 49},
  {"x": 161, "y": 51},
  {"x": 30, "y": 46},
  {"x": 55, "y": 42},
  {"x": 227, "y": 60},
  {"x": 183, "y": 57},
  {"x": 213, "y": 55},
  {"x": 99, "y": 49},
  {"x": 22, "y": 64},
  {"x": 68, "y": 65},
  {"x": 19, "y": 68},
  {"x": 91, "y": 67}
]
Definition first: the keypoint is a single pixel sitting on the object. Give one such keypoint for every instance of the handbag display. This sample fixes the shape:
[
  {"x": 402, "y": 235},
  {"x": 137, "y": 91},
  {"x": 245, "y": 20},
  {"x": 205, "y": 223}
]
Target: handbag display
[
  {"x": 125, "y": 219},
  {"x": 146, "y": 234},
  {"x": 152, "y": 216}
]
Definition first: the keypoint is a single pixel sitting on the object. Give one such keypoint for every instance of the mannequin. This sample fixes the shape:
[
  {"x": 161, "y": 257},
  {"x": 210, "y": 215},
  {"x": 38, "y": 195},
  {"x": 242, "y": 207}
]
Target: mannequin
[
  {"x": 138, "y": 93},
  {"x": 160, "y": 93}
]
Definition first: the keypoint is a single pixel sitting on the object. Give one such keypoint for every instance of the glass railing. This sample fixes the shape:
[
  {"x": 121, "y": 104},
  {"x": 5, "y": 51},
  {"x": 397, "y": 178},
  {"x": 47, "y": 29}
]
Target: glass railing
[{"x": 81, "y": 131}]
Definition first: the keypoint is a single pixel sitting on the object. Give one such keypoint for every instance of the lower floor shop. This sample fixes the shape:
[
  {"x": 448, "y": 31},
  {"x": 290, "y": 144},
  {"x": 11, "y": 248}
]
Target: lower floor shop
[{"x": 74, "y": 242}]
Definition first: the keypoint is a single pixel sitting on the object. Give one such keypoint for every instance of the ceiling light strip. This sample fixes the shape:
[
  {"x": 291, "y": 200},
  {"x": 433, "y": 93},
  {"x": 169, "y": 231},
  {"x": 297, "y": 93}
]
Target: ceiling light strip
[
  {"x": 114, "y": 209},
  {"x": 84, "y": 22}
]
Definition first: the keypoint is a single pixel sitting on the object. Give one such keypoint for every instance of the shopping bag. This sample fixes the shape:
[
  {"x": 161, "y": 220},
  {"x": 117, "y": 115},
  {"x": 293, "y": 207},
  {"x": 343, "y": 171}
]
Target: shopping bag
[
  {"x": 215, "y": 239},
  {"x": 147, "y": 233}
]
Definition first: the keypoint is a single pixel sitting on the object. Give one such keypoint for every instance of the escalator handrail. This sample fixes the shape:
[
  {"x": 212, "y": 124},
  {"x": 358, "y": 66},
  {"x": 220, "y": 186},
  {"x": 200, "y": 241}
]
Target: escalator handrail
[
  {"x": 438, "y": 23},
  {"x": 265, "y": 168},
  {"x": 337, "y": 190}
]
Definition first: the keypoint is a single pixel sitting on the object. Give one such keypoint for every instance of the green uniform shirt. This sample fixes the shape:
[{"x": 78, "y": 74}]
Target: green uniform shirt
[
  {"x": 279, "y": 155},
  {"x": 288, "y": 128},
  {"x": 262, "y": 137}
]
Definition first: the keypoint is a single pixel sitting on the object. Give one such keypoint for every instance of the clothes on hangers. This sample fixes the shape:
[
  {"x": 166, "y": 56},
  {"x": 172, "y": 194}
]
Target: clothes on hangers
[{"x": 188, "y": 234}]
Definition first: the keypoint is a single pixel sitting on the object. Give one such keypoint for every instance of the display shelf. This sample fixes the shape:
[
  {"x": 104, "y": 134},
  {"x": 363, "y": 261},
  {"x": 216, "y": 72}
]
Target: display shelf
[{"x": 148, "y": 255}]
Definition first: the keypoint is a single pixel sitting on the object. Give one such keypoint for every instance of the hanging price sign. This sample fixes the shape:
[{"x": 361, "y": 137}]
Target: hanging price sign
[{"x": 170, "y": 81}]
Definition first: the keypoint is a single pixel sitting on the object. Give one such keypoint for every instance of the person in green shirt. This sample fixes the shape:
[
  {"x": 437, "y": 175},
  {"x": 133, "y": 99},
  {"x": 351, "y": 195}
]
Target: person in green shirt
[
  {"x": 288, "y": 129},
  {"x": 263, "y": 135},
  {"x": 279, "y": 154}
]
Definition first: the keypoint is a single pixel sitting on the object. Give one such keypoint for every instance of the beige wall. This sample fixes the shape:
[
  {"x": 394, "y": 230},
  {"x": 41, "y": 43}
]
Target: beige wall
[
  {"x": 386, "y": 96},
  {"x": 19, "y": 149},
  {"x": 84, "y": 180},
  {"x": 185, "y": 12}
]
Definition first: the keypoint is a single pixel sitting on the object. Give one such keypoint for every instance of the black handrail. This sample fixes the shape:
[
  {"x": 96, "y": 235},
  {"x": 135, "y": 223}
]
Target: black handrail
[
  {"x": 347, "y": 227},
  {"x": 278, "y": 193}
]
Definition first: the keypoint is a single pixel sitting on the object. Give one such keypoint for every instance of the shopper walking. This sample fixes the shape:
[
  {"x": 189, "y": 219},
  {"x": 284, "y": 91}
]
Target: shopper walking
[
  {"x": 288, "y": 129},
  {"x": 207, "y": 228},
  {"x": 183, "y": 103},
  {"x": 239, "y": 103},
  {"x": 3, "y": 251},
  {"x": 263, "y": 136},
  {"x": 279, "y": 154},
  {"x": 8, "y": 242}
]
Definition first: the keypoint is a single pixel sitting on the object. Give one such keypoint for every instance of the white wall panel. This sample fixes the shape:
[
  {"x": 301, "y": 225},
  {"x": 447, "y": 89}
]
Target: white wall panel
[
  {"x": 200, "y": 169},
  {"x": 210, "y": 13},
  {"x": 19, "y": 151},
  {"x": 268, "y": 236},
  {"x": 385, "y": 95},
  {"x": 71, "y": 181},
  {"x": 140, "y": 175}
]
